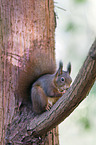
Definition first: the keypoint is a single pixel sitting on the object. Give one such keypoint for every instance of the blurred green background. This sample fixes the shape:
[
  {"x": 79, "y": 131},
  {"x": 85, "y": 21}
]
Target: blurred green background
[{"x": 75, "y": 33}]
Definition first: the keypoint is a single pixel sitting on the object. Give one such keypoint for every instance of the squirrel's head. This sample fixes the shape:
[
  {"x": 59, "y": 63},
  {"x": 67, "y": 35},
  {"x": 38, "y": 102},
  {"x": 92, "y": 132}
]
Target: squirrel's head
[{"x": 62, "y": 78}]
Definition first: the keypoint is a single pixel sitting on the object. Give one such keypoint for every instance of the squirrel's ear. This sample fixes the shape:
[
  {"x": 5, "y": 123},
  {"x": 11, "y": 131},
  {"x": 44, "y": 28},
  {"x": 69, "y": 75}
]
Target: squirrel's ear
[
  {"x": 69, "y": 68},
  {"x": 59, "y": 71}
]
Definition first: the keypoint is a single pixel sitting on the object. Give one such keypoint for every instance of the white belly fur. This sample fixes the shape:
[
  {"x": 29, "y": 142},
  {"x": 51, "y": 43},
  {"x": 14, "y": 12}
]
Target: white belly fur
[{"x": 52, "y": 101}]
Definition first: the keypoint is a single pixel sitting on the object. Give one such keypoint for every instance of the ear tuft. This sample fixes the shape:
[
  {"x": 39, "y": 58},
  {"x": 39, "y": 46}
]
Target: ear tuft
[
  {"x": 59, "y": 71},
  {"x": 60, "y": 65},
  {"x": 69, "y": 67}
]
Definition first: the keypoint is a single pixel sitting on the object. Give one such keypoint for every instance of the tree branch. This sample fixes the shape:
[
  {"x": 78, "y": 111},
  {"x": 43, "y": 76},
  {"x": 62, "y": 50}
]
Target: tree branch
[{"x": 40, "y": 124}]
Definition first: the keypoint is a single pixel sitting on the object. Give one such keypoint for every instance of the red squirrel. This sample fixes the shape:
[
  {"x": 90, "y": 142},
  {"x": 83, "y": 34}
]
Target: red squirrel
[
  {"x": 42, "y": 83},
  {"x": 49, "y": 88}
]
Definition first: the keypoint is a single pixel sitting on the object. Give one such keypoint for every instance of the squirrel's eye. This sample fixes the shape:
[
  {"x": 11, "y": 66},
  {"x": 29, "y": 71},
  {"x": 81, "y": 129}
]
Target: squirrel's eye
[{"x": 62, "y": 79}]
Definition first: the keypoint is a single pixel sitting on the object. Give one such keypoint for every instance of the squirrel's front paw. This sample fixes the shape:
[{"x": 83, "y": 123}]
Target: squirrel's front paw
[{"x": 48, "y": 107}]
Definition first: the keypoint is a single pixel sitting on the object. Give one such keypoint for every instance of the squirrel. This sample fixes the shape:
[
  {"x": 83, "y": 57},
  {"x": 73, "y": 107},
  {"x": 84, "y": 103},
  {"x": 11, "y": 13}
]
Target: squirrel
[
  {"x": 39, "y": 81},
  {"x": 49, "y": 88}
]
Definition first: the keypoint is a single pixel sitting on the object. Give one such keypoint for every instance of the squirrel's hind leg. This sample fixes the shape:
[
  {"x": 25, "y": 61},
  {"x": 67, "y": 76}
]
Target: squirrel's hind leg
[{"x": 39, "y": 99}]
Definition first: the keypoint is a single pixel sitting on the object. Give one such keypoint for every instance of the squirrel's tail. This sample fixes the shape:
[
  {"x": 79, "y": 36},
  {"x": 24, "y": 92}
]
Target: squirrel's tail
[{"x": 39, "y": 63}]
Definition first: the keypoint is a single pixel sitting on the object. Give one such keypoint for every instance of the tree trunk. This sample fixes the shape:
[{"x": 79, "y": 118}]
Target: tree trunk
[{"x": 24, "y": 26}]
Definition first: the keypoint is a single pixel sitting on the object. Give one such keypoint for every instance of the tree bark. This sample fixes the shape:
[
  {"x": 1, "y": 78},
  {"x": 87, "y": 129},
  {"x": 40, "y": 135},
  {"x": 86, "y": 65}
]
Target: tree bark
[{"x": 24, "y": 26}]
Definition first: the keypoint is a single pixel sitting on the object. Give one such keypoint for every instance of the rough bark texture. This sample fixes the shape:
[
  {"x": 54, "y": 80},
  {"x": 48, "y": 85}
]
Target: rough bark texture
[{"x": 24, "y": 26}]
